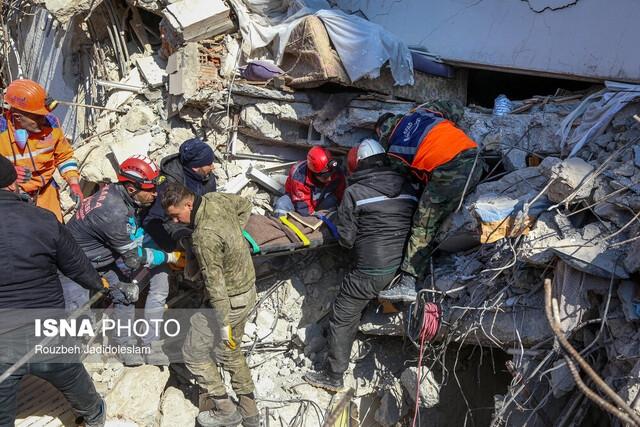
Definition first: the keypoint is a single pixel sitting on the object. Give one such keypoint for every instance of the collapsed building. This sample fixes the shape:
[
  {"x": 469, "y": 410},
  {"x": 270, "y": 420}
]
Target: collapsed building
[{"x": 556, "y": 211}]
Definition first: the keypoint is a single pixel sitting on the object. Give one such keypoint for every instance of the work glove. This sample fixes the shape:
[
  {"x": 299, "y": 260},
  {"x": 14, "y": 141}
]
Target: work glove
[
  {"x": 122, "y": 292},
  {"x": 24, "y": 174},
  {"x": 180, "y": 263},
  {"x": 76, "y": 195},
  {"x": 173, "y": 257},
  {"x": 225, "y": 335}
]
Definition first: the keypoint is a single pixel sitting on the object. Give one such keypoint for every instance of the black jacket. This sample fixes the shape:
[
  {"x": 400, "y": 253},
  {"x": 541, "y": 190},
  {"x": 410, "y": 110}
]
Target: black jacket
[
  {"x": 34, "y": 246},
  {"x": 108, "y": 226},
  {"x": 375, "y": 216},
  {"x": 161, "y": 227}
]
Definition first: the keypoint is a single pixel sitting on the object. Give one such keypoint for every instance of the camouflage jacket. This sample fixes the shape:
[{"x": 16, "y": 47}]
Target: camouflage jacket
[{"x": 222, "y": 250}]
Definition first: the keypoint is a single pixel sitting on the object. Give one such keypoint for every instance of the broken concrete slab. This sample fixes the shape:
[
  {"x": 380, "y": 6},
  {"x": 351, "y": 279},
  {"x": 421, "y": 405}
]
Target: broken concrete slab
[
  {"x": 124, "y": 149},
  {"x": 535, "y": 246},
  {"x": 595, "y": 260},
  {"x": 265, "y": 180},
  {"x": 64, "y": 10},
  {"x": 429, "y": 388},
  {"x": 568, "y": 176},
  {"x": 196, "y": 20},
  {"x": 152, "y": 68}
]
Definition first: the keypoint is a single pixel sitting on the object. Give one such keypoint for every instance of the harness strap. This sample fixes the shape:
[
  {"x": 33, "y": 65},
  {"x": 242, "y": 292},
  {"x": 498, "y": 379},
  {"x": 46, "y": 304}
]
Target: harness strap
[
  {"x": 255, "y": 248},
  {"x": 303, "y": 238},
  {"x": 332, "y": 227}
]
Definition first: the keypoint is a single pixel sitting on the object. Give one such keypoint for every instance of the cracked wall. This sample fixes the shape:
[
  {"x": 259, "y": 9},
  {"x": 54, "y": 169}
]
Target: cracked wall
[{"x": 587, "y": 39}]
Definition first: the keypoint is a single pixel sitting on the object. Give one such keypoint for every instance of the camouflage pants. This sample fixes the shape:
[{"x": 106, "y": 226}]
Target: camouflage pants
[
  {"x": 203, "y": 348},
  {"x": 439, "y": 199}
]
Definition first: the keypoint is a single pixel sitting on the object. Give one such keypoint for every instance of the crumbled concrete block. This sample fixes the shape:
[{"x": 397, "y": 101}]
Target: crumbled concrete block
[
  {"x": 393, "y": 406},
  {"x": 429, "y": 388},
  {"x": 136, "y": 397},
  {"x": 124, "y": 149},
  {"x": 177, "y": 410},
  {"x": 567, "y": 177},
  {"x": 632, "y": 261},
  {"x": 197, "y": 20},
  {"x": 152, "y": 68}
]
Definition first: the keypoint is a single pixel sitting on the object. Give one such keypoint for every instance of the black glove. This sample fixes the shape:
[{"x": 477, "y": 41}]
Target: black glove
[{"x": 123, "y": 293}]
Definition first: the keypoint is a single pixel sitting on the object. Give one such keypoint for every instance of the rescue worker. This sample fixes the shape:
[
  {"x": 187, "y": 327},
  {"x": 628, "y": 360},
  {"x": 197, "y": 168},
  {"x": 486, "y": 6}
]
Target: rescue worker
[
  {"x": 313, "y": 184},
  {"x": 34, "y": 246},
  {"x": 108, "y": 227},
  {"x": 31, "y": 138},
  {"x": 217, "y": 221},
  {"x": 374, "y": 217},
  {"x": 192, "y": 167},
  {"x": 445, "y": 160}
]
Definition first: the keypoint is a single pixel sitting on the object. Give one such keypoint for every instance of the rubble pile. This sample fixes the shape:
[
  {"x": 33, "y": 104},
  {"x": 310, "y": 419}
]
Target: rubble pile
[{"x": 537, "y": 214}]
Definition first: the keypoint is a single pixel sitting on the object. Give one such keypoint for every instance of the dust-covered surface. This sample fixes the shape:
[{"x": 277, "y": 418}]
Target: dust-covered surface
[{"x": 573, "y": 220}]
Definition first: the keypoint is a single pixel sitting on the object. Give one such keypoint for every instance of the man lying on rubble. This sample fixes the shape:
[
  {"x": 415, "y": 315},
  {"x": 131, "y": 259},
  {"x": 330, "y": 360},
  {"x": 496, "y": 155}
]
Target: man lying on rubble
[
  {"x": 108, "y": 227},
  {"x": 217, "y": 220},
  {"x": 427, "y": 146},
  {"x": 313, "y": 184},
  {"x": 375, "y": 217},
  {"x": 36, "y": 245},
  {"x": 192, "y": 167}
]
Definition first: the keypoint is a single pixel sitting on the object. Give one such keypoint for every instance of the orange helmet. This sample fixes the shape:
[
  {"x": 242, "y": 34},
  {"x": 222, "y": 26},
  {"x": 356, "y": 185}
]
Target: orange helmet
[
  {"x": 29, "y": 96},
  {"x": 140, "y": 170}
]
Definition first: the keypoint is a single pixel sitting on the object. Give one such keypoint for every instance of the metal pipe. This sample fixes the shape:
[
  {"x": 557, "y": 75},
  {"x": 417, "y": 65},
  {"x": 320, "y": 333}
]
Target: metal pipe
[{"x": 119, "y": 86}]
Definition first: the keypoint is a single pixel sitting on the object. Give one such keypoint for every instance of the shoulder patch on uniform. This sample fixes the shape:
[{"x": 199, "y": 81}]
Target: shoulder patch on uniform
[{"x": 52, "y": 121}]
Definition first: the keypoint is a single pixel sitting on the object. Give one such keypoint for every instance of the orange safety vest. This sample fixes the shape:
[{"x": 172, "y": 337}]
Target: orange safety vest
[
  {"x": 425, "y": 140},
  {"x": 42, "y": 153}
]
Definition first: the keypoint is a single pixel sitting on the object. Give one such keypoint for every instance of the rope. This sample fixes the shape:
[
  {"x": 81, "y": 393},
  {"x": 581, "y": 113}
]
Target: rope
[{"x": 430, "y": 326}]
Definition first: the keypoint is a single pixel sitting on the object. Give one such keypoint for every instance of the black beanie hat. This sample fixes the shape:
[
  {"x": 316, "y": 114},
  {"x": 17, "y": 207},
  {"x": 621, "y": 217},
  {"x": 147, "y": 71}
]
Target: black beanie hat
[
  {"x": 195, "y": 153},
  {"x": 8, "y": 173}
]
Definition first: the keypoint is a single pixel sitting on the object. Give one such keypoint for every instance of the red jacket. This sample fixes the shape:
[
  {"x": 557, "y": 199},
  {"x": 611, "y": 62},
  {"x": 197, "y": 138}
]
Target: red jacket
[{"x": 306, "y": 192}]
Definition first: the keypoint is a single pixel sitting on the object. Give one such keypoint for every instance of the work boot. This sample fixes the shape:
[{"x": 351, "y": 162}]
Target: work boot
[
  {"x": 225, "y": 414},
  {"x": 404, "y": 289},
  {"x": 99, "y": 420},
  {"x": 249, "y": 411},
  {"x": 325, "y": 380},
  {"x": 129, "y": 354},
  {"x": 156, "y": 355}
]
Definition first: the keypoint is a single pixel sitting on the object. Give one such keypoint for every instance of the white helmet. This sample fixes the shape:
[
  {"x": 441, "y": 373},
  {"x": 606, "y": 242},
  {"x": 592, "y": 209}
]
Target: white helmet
[{"x": 368, "y": 148}]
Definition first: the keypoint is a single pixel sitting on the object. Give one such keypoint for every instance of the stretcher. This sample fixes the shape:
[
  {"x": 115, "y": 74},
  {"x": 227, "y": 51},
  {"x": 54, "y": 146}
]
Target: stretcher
[{"x": 270, "y": 236}]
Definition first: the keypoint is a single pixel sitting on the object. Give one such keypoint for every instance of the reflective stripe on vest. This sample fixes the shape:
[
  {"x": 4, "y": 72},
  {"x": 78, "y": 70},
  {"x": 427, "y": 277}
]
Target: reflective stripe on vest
[
  {"x": 410, "y": 131},
  {"x": 382, "y": 198}
]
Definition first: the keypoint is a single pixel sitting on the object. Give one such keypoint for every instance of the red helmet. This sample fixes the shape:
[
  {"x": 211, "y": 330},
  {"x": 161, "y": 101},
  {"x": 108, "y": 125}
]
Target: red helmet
[
  {"x": 29, "y": 96},
  {"x": 140, "y": 170},
  {"x": 320, "y": 161},
  {"x": 352, "y": 159}
]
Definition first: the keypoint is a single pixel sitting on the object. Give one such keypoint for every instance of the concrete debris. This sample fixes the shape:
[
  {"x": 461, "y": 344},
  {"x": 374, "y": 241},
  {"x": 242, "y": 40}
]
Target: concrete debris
[
  {"x": 429, "y": 388},
  {"x": 152, "y": 69},
  {"x": 175, "y": 410},
  {"x": 196, "y": 20},
  {"x": 569, "y": 176},
  {"x": 136, "y": 396},
  {"x": 393, "y": 406},
  {"x": 489, "y": 288}
]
